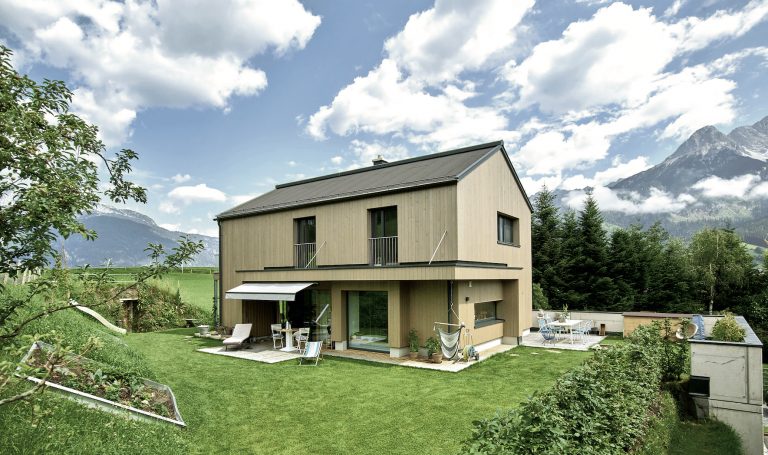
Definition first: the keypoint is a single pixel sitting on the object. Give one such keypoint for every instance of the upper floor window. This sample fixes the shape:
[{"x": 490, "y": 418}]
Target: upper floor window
[
  {"x": 508, "y": 230},
  {"x": 305, "y": 230},
  {"x": 384, "y": 222},
  {"x": 383, "y": 241},
  {"x": 304, "y": 249}
]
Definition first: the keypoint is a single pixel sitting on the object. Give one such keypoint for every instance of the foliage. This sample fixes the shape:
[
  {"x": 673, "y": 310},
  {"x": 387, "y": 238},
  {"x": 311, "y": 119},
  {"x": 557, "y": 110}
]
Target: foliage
[
  {"x": 50, "y": 171},
  {"x": 677, "y": 355},
  {"x": 539, "y": 299},
  {"x": 546, "y": 246},
  {"x": 727, "y": 329},
  {"x": 413, "y": 340},
  {"x": 599, "y": 407},
  {"x": 432, "y": 345},
  {"x": 720, "y": 262}
]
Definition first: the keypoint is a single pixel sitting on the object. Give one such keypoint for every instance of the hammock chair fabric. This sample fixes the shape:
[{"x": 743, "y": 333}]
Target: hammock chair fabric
[{"x": 449, "y": 342}]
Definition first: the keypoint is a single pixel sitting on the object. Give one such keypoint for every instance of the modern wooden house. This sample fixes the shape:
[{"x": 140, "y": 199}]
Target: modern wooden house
[{"x": 363, "y": 256}]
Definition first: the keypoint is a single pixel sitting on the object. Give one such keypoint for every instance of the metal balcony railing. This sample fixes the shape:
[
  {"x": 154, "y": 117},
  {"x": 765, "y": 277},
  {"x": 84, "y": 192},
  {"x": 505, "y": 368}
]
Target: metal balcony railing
[
  {"x": 383, "y": 250},
  {"x": 304, "y": 256}
]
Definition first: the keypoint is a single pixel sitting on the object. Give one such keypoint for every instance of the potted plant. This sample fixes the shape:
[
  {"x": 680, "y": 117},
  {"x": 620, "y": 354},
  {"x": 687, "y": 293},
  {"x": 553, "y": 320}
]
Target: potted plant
[
  {"x": 565, "y": 316},
  {"x": 413, "y": 342},
  {"x": 433, "y": 349}
]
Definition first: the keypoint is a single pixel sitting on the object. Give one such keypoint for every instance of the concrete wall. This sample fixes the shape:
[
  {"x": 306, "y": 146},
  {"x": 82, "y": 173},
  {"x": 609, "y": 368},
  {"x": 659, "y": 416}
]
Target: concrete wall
[
  {"x": 735, "y": 384},
  {"x": 614, "y": 322}
]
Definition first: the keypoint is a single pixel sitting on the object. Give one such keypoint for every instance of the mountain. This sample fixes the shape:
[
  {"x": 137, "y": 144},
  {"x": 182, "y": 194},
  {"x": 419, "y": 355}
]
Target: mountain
[
  {"x": 706, "y": 153},
  {"x": 122, "y": 236}
]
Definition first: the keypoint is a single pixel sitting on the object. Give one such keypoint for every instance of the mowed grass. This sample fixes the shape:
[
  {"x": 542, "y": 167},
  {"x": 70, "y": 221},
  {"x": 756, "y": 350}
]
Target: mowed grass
[{"x": 234, "y": 405}]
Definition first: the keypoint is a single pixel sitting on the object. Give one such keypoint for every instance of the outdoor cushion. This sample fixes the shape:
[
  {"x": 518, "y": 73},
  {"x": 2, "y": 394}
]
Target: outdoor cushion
[{"x": 241, "y": 333}]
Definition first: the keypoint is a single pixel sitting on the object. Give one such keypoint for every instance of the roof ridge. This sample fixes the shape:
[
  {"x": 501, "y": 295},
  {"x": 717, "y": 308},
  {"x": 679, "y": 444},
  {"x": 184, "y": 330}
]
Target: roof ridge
[{"x": 392, "y": 164}]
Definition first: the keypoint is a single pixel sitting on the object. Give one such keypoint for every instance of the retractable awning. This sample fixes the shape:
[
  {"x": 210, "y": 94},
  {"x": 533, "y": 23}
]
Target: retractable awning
[{"x": 267, "y": 291}]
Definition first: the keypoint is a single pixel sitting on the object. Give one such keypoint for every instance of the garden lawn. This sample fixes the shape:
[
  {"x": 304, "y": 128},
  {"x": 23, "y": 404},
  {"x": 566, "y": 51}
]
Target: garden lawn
[{"x": 342, "y": 405}]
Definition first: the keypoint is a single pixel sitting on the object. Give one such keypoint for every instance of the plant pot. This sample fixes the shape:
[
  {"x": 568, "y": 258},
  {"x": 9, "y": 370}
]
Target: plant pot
[
  {"x": 414, "y": 355},
  {"x": 203, "y": 329},
  {"x": 437, "y": 358}
]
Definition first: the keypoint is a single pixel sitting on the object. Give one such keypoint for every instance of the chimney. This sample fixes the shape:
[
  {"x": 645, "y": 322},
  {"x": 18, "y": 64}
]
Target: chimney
[{"x": 379, "y": 160}]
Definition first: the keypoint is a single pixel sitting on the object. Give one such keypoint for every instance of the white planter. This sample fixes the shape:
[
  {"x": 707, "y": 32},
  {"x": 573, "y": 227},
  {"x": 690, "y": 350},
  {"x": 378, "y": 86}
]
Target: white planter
[
  {"x": 203, "y": 329},
  {"x": 93, "y": 401}
]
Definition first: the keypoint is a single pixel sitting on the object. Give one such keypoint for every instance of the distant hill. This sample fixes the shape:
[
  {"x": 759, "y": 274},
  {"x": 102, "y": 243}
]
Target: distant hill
[
  {"x": 706, "y": 153},
  {"x": 122, "y": 236}
]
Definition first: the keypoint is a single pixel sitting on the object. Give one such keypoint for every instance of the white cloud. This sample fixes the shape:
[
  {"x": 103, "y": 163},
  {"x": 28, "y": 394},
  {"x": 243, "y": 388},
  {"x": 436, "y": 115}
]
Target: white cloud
[
  {"x": 433, "y": 50},
  {"x": 295, "y": 176},
  {"x": 533, "y": 186},
  {"x": 171, "y": 227},
  {"x": 169, "y": 207},
  {"x": 133, "y": 55},
  {"x": 157, "y": 186},
  {"x": 746, "y": 186},
  {"x": 607, "y": 199},
  {"x": 300, "y": 119},
  {"x": 366, "y": 152},
  {"x": 674, "y": 8},
  {"x": 241, "y": 199},
  {"x": 178, "y": 178},
  {"x": 291, "y": 163},
  {"x": 196, "y": 220},
  {"x": 200, "y": 193},
  {"x": 337, "y": 160},
  {"x": 611, "y": 74}
]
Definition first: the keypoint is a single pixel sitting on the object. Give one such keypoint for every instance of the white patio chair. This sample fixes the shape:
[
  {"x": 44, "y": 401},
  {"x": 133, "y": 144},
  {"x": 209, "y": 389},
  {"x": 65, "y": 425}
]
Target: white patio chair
[
  {"x": 302, "y": 336},
  {"x": 277, "y": 335}
]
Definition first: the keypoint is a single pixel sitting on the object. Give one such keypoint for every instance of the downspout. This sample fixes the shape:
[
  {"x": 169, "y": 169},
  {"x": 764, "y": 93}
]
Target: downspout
[{"x": 221, "y": 281}]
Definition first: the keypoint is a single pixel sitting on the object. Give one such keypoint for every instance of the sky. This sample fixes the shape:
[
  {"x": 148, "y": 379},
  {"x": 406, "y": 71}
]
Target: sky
[{"x": 224, "y": 99}]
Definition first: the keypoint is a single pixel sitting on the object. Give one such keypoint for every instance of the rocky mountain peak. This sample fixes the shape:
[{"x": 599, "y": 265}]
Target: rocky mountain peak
[{"x": 702, "y": 142}]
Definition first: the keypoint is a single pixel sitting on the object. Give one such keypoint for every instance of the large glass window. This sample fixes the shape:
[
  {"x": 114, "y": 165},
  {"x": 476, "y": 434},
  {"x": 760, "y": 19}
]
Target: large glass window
[
  {"x": 312, "y": 309},
  {"x": 507, "y": 230},
  {"x": 367, "y": 322}
]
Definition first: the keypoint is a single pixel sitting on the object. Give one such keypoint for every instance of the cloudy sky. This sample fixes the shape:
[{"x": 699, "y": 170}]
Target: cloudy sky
[{"x": 222, "y": 100}]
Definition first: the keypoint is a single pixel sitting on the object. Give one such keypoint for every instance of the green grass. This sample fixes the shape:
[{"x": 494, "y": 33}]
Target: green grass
[
  {"x": 614, "y": 339},
  {"x": 342, "y": 405},
  {"x": 668, "y": 435},
  {"x": 63, "y": 426}
]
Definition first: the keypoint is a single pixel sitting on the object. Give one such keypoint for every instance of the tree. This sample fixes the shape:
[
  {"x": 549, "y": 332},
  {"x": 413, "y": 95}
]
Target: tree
[
  {"x": 546, "y": 244},
  {"x": 49, "y": 177},
  {"x": 720, "y": 261},
  {"x": 591, "y": 265},
  {"x": 571, "y": 251}
]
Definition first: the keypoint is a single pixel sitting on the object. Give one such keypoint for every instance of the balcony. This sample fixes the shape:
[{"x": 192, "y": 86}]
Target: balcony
[
  {"x": 304, "y": 256},
  {"x": 383, "y": 250}
]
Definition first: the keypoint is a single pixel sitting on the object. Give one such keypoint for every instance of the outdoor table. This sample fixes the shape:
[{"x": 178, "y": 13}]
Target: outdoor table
[
  {"x": 567, "y": 325},
  {"x": 289, "y": 340}
]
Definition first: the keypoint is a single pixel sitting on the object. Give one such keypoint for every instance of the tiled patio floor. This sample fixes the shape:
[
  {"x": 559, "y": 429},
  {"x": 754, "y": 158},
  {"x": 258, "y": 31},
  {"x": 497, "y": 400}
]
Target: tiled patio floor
[
  {"x": 264, "y": 352},
  {"x": 535, "y": 340}
]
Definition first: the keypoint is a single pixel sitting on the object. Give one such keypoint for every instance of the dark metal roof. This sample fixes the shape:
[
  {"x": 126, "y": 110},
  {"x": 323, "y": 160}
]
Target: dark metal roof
[{"x": 428, "y": 170}]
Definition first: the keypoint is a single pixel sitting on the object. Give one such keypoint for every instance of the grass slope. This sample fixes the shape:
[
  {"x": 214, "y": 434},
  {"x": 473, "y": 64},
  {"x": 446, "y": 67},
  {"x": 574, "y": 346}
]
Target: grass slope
[{"x": 342, "y": 405}]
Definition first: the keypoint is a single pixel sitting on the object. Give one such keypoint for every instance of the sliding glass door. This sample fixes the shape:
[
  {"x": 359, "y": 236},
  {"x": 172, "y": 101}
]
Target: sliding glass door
[{"x": 367, "y": 320}]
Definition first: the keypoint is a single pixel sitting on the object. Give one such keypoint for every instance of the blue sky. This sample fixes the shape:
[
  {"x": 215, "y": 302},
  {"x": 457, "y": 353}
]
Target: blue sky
[{"x": 222, "y": 100}]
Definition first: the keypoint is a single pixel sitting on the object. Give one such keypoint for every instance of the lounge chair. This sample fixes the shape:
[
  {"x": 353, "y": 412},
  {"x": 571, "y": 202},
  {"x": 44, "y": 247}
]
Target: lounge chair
[
  {"x": 312, "y": 351},
  {"x": 240, "y": 333}
]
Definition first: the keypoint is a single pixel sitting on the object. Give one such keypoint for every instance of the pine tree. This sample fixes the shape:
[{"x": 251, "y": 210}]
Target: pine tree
[
  {"x": 546, "y": 244},
  {"x": 570, "y": 253},
  {"x": 591, "y": 266}
]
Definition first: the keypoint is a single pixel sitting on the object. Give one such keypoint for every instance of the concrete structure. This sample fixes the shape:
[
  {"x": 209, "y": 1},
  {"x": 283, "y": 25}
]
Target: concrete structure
[
  {"x": 735, "y": 374},
  {"x": 384, "y": 249},
  {"x": 633, "y": 320}
]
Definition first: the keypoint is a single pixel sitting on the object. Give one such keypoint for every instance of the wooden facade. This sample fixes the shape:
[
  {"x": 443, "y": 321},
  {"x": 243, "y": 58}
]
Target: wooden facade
[{"x": 259, "y": 248}]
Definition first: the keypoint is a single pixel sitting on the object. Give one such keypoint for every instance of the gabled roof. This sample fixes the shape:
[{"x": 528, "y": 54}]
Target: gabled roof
[{"x": 428, "y": 170}]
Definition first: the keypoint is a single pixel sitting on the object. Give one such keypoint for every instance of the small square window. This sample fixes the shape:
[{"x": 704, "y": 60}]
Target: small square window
[{"x": 508, "y": 230}]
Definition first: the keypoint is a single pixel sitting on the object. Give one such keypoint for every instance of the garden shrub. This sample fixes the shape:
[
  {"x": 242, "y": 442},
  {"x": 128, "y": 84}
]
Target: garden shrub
[
  {"x": 599, "y": 407},
  {"x": 727, "y": 329}
]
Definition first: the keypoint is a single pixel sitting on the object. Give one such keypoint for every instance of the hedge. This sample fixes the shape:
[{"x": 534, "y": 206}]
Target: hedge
[{"x": 599, "y": 407}]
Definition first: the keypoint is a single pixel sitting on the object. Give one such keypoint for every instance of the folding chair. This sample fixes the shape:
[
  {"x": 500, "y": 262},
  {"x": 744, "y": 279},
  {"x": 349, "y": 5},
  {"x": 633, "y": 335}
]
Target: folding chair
[{"x": 311, "y": 352}]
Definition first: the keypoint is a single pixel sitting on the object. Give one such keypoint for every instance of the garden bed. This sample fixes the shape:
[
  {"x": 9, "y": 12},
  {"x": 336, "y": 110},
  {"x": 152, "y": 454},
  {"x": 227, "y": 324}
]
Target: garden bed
[{"x": 98, "y": 386}]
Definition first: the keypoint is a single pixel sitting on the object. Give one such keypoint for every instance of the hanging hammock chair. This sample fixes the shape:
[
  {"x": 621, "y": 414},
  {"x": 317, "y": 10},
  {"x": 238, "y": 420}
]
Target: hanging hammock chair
[{"x": 449, "y": 341}]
